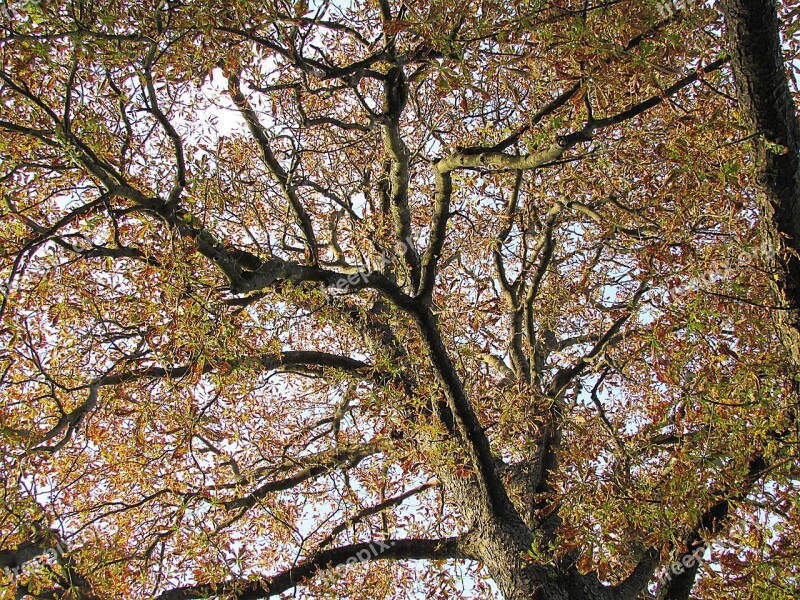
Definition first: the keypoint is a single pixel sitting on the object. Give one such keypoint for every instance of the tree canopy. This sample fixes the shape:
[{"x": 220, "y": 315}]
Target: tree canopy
[{"x": 383, "y": 298}]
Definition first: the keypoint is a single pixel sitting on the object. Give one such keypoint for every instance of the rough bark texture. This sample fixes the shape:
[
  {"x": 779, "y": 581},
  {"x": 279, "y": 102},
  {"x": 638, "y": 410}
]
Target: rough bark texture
[
  {"x": 769, "y": 112},
  {"x": 511, "y": 534}
]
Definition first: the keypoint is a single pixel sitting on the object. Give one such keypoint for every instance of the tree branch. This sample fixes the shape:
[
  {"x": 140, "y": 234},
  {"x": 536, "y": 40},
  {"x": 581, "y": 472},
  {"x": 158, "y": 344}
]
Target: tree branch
[
  {"x": 312, "y": 466},
  {"x": 278, "y": 172},
  {"x": 479, "y": 158},
  {"x": 679, "y": 586},
  {"x": 441, "y": 213},
  {"x": 396, "y": 95},
  {"x": 373, "y": 510},
  {"x": 393, "y": 549}
]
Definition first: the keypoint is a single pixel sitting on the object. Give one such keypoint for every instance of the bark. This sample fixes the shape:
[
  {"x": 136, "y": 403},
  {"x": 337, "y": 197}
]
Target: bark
[
  {"x": 247, "y": 589},
  {"x": 498, "y": 535},
  {"x": 769, "y": 113},
  {"x": 767, "y": 107},
  {"x": 711, "y": 523}
]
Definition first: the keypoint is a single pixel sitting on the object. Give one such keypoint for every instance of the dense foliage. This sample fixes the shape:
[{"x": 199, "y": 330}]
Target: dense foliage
[{"x": 365, "y": 299}]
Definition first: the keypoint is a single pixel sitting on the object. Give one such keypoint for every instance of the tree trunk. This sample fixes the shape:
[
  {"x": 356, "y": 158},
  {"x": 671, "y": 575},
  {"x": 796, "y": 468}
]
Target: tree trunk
[{"x": 768, "y": 110}]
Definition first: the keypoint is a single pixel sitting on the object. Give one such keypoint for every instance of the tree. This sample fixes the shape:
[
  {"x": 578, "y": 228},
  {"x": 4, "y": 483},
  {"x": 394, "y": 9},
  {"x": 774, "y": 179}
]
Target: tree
[{"x": 399, "y": 297}]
